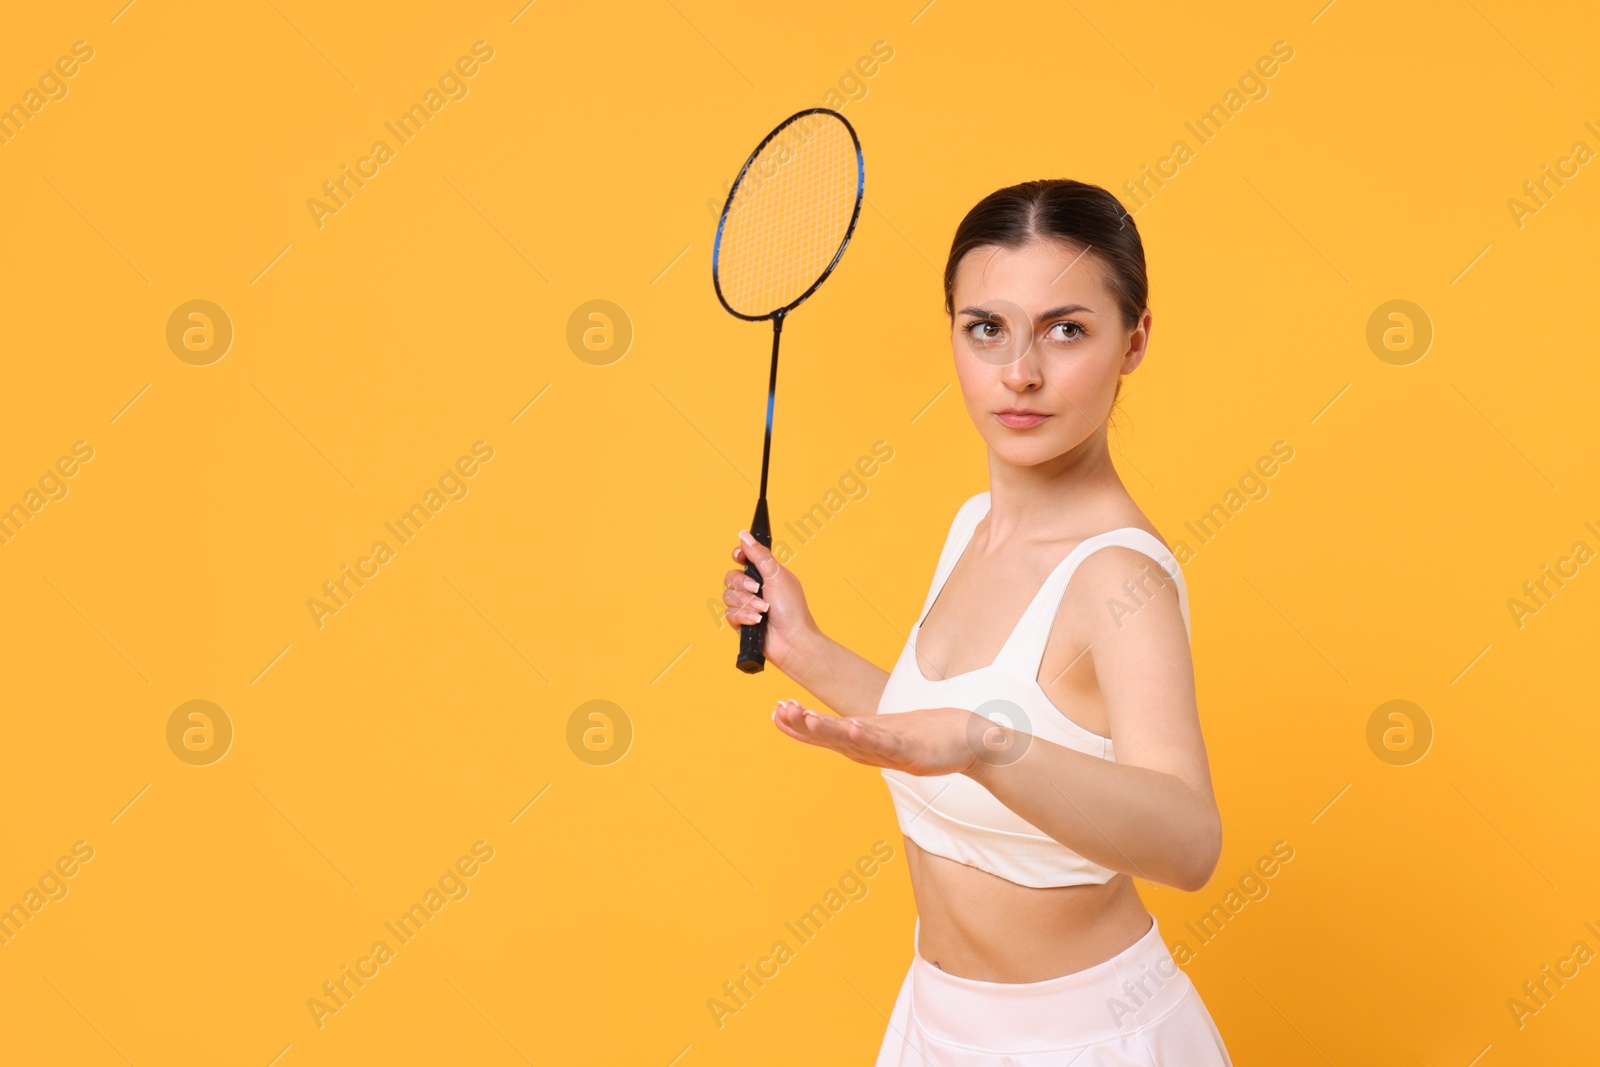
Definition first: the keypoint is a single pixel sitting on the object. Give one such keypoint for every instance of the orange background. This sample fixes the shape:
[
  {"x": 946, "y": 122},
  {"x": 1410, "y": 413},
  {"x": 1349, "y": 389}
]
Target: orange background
[{"x": 432, "y": 711}]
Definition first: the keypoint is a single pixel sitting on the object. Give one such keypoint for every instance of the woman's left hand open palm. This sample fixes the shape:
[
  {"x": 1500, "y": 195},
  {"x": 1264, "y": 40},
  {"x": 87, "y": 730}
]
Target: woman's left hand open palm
[{"x": 927, "y": 742}]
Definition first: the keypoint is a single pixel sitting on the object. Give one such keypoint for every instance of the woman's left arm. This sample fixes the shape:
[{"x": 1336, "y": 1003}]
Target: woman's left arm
[{"x": 1151, "y": 813}]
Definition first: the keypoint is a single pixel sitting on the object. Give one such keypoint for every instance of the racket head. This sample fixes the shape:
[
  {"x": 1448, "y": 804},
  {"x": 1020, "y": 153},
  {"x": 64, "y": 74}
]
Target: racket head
[{"x": 789, "y": 215}]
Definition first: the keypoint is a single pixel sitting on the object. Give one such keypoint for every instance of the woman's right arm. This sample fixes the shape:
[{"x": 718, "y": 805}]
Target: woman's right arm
[{"x": 839, "y": 678}]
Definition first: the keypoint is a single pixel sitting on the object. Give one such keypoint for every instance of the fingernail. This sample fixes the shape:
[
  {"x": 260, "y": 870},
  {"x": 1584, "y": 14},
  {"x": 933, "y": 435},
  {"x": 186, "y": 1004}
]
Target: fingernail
[
  {"x": 745, "y": 538},
  {"x": 760, "y": 604},
  {"x": 751, "y": 586}
]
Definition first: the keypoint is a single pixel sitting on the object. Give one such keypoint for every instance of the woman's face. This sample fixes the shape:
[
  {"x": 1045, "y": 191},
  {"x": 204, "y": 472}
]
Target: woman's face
[{"x": 1039, "y": 345}]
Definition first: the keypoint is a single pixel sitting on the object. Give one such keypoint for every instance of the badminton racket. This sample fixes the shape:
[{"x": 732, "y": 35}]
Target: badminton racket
[{"x": 787, "y": 220}]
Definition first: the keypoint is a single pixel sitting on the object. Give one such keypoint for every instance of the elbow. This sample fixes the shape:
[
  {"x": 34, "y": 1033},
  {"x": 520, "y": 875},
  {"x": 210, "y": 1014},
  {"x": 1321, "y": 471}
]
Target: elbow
[{"x": 1205, "y": 854}]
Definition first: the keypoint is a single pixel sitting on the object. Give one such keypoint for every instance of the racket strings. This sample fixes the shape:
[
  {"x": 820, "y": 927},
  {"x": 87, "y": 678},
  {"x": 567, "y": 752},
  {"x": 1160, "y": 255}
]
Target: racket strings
[{"x": 790, "y": 216}]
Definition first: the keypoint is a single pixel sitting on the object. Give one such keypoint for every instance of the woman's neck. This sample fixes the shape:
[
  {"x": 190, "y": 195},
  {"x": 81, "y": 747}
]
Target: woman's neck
[{"x": 1040, "y": 501}]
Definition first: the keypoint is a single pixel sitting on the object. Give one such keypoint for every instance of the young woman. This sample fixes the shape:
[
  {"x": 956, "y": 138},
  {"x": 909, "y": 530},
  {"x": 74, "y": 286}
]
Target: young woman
[{"x": 1056, "y": 627}]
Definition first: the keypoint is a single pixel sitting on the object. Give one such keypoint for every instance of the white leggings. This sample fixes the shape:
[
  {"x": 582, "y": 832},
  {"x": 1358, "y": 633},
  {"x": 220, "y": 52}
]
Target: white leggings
[{"x": 1137, "y": 1009}]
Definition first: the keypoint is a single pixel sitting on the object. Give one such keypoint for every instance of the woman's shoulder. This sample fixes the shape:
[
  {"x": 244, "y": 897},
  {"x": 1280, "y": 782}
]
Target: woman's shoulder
[
  {"x": 976, "y": 504},
  {"x": 1125, "y": 515},
  {"x": 1135, "y": 535},
  {"x": 968, "y": 515},
  {"x": 1127, "y": 544},
  {"x": 1143, "y": 525}
]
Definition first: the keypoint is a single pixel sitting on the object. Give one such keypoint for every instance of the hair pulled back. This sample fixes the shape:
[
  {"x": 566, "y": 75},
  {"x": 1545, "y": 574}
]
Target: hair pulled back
[{"x": 1080, "y": 215}]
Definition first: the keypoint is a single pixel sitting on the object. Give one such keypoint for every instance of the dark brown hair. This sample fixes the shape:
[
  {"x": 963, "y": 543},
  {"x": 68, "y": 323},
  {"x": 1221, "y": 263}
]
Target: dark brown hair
[{"x": 1083, "y": 216}]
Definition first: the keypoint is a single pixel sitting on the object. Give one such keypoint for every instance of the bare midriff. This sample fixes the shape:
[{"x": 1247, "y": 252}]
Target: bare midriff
[{"x": 977, "y": 925}]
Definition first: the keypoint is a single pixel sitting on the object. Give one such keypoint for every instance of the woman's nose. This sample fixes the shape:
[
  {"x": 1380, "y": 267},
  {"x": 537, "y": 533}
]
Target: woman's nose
[{"x": 1024, "y": 371}]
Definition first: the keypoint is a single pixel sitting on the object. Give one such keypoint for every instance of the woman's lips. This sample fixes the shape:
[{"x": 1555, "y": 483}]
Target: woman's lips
[{"x": 1020, "y": 420}]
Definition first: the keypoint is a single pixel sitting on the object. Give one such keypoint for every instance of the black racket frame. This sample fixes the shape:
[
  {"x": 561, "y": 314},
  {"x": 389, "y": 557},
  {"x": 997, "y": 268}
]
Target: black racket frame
[{"x": 753, "y": 639}]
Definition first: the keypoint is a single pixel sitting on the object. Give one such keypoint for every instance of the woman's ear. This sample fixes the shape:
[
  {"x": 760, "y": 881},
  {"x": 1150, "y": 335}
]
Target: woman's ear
[{"x": 1138, "y": 342}]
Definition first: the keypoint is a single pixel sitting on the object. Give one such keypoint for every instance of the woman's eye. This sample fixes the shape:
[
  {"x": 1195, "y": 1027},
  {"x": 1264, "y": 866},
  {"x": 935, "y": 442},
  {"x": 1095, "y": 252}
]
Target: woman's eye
[
  {"x": 985, "y": 331},
  {"x": 1065, "y": 331}
]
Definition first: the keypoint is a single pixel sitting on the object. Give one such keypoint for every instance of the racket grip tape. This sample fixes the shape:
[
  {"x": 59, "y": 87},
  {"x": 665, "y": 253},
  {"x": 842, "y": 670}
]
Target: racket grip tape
[{"x": 753, "y": 639}]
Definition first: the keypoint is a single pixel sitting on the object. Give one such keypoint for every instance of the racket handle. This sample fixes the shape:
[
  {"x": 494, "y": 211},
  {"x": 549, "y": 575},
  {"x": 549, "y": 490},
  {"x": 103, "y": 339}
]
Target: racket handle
[{"x": 753, "y": 639}]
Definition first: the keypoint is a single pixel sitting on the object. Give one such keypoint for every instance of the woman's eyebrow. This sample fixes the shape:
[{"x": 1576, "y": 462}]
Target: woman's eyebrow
[{"x": 1056, "y": 312}]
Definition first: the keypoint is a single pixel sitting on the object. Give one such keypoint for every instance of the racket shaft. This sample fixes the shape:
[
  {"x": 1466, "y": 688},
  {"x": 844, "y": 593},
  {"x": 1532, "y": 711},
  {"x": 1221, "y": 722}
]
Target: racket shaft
[
  {"x": 772, "y": 401},
  {"x": 753, "y": 639}
]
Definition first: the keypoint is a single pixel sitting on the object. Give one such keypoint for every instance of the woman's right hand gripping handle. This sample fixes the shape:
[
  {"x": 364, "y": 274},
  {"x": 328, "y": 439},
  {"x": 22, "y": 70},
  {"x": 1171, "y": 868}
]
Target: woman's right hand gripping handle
[
  {"x": 842, "y": 680},
  {"x": 789, "y": 622}
]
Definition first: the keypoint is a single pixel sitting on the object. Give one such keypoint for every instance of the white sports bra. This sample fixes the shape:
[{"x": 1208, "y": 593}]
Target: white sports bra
[{"x": 953, "y": 816}]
